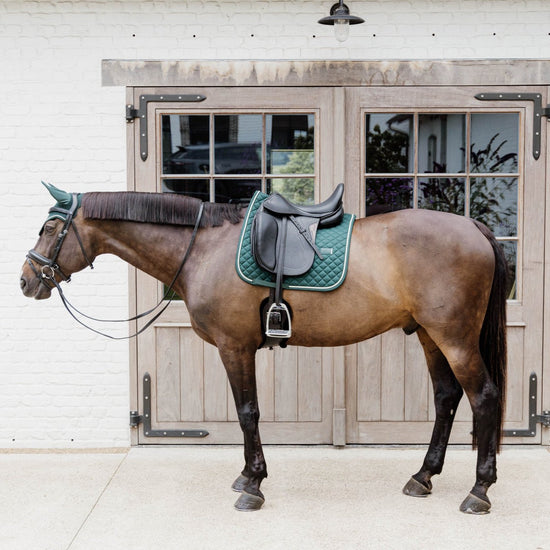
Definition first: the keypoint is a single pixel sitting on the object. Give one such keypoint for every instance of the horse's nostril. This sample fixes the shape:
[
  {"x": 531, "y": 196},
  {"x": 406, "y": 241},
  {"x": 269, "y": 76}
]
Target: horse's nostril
[{"x": 22, "y": 283}]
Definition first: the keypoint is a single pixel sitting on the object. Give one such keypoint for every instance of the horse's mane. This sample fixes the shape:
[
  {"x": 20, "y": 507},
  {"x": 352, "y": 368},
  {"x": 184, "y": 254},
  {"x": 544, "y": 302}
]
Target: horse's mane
[{"x": 162, "y": 208}]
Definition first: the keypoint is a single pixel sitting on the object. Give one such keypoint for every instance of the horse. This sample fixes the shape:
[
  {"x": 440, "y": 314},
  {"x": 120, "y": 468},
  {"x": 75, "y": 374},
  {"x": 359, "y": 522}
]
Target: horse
[{"x": 436, "y": 274}]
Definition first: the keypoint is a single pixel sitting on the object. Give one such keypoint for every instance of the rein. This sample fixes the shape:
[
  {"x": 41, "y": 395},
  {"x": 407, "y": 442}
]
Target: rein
[{"x": 48, "y": 277}]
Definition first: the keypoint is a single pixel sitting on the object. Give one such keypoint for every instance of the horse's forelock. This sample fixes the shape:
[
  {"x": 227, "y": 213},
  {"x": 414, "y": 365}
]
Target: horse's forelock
[{"x": 161, "y": 208}]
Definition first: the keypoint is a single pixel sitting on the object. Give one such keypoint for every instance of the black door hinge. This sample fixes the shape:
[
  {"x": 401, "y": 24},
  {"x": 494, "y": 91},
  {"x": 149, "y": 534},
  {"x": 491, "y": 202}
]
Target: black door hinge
[
  {"x": 136, "y": 419},
  {"x": 538, "y": 111},
  {"x": 534, "y": 418},
  {"x": 132, "y": 113},
  {"x": 544, "y": 419}
]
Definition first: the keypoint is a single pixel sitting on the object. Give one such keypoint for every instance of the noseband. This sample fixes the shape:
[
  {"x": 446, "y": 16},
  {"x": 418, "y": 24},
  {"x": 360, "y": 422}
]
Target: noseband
[{"x": 48, "y": 266}]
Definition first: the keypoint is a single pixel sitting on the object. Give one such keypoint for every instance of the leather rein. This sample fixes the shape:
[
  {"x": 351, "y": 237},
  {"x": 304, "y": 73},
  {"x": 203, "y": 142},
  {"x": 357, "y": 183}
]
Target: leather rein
[{"x": 49, "y": 268}]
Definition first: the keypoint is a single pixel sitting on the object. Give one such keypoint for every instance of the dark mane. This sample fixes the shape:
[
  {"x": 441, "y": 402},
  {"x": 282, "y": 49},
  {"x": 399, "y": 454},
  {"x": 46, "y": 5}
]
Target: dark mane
[{"x": 162, "y": 208}]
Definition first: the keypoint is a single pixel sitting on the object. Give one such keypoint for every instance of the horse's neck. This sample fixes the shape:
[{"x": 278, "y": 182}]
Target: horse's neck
[{"x": 154, "y": 249}]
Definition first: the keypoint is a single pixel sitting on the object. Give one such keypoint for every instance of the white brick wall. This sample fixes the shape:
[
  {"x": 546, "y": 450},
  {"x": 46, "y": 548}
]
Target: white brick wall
[{"x": 61, "y": 385}]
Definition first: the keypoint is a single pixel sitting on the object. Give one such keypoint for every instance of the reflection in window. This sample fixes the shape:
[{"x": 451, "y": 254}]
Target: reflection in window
[
  {"x": 290, "y": 142},
  {"x": 235, "y": 190},
  {"x": 191, "y": 187},
  {"x": 443, "y": 194},
  {"x": 298, "y": 190},
  {"x": 185, "y": 144},
  {"x": 389, "y": 144},
  {"x": 238, "y": 144},
  {"x": 388, "y": 194},
  {"x": 510, "y": 251},
  {"x": 493, "y": 201},
  {"x": 441, "y": 143},
  {"x": 494, "y": 142}
]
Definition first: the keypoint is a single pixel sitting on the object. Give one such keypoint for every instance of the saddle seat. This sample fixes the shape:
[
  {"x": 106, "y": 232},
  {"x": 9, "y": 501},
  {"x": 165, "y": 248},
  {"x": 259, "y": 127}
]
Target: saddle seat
[
  {"x": 283, "y": 243},
  {"x": 329, "y": 212}
]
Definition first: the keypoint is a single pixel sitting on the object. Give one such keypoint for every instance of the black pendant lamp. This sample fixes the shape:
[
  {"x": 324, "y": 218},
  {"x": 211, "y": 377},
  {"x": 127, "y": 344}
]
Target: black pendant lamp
[{"x": 341, "y": 18}]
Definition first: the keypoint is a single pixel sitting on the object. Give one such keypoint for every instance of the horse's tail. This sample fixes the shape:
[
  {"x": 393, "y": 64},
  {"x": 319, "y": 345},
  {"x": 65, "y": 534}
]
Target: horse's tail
[{"x": 492, "y": 340}]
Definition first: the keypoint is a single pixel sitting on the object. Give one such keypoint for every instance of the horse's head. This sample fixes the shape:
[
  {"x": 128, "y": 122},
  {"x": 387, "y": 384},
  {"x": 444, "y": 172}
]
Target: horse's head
[{"x": 60, "y": 250}]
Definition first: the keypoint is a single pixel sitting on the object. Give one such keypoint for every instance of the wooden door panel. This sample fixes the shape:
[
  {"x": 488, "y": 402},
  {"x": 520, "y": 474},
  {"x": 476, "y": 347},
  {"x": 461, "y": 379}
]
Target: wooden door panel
[
  {"x": 188, "y": 377},
  {"x": 389, "y": 393}
]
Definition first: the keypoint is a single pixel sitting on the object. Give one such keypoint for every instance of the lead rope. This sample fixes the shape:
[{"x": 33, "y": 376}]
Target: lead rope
[{"x": 168, "y": 293}]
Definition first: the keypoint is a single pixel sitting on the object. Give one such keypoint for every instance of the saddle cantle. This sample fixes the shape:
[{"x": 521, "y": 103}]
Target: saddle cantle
[{"x": 283, "y": 243}]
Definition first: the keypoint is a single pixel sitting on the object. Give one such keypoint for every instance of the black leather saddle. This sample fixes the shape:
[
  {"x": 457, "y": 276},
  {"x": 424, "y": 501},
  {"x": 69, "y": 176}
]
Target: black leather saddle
[{"x": 283, "y": 243}]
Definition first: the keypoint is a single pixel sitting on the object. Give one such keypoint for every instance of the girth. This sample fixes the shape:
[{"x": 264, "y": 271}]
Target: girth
[{"x": 283, "y": 243}]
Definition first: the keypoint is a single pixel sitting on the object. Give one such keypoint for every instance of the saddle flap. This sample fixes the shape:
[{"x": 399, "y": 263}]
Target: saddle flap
[{"x": 266, "y": 238}]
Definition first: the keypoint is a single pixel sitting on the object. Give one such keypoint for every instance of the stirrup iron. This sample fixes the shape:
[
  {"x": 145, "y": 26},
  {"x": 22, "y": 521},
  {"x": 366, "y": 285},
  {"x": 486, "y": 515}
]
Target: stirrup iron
[{"x": 278, "y": 323}]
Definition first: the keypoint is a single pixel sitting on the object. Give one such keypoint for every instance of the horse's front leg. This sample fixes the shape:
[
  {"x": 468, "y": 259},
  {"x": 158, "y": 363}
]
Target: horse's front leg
[{"x": 240, "y": 367}]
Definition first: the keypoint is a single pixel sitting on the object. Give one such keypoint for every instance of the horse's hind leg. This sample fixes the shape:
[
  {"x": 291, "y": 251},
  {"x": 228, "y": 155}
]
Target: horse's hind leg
[
  {"x": 483, "y": 394},
  {"x": 240, "y": 369},
  {"x": 447, "y": 395}
]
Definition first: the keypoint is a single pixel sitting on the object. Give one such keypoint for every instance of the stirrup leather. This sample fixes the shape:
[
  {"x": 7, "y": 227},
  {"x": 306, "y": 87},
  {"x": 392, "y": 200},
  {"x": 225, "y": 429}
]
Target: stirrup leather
[{"x": 278, "y": 324}]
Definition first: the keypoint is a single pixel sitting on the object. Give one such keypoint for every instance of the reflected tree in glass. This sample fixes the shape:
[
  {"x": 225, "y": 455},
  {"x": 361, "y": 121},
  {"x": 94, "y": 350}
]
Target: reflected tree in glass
[
  {"x": 388, "y": 195},
  {"x": 386, "y": 151},
  {"x": 493, "y": 200},
  {"x": 443, "y": 194},
  {"x": 299, "y": 161}
]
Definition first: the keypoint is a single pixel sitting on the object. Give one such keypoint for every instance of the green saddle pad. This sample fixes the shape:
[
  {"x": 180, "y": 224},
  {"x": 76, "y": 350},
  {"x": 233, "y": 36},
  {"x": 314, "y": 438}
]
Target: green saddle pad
[{"x": 325, "y": 275}]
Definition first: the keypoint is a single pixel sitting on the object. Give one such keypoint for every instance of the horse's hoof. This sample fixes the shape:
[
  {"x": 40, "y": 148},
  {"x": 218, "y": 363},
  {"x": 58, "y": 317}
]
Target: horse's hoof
[
  {"x": 414, "y": 488},
  {"x": 239, "y": 483},
  {"x": 248, "y": 503},
  {"x": 474, "y": 505}
]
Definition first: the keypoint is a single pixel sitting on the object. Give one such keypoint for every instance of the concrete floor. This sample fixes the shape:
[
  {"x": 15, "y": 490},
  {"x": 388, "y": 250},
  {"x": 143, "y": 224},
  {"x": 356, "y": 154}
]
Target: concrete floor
[{"x": 316, "y": 497}]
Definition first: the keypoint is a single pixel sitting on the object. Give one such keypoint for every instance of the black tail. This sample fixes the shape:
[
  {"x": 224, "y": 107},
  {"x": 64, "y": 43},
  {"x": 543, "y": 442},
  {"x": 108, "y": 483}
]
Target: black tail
[{"x": 492, "y": 340}]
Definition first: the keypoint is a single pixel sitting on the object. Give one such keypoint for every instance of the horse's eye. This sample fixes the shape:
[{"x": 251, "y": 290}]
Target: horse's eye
[{"x": 49, "y": 228}]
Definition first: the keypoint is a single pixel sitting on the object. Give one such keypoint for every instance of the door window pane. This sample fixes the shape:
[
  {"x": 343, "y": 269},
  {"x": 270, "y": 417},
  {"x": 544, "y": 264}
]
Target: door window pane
[
  {"x": 290, "y": 143},
  {"x": 494, "y": 142},
  {"x": 441, "y": 143},
  {"x": 388, "y": 194},
  {"x": 298, "y": 190},
  {"x": 510, "y": 251},
  {"x": 185, "y": 144},
  {"x": 389, "y": 143},
  {"x": 238, "y": 144},
  {"x": 494, "y": 201},
  {"x": 443, "y": 194},
  {"x": 235, "y": 190},
  {"x": 191, "y": 187}
]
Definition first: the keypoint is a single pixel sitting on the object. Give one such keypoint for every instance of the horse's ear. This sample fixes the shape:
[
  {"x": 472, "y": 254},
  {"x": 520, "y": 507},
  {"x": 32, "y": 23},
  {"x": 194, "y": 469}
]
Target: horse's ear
[{"x": 62, "y": 197}]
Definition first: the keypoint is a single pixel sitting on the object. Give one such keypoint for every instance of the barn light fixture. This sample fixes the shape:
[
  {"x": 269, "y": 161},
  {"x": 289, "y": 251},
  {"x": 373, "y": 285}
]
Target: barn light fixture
[{"x": 341, "y": 18}]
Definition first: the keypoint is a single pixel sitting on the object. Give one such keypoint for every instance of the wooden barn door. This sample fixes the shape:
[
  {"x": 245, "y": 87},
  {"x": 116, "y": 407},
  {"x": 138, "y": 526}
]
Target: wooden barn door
[
  {"x": 221, "y": 145},
  {"x": 407, "y": 147}
]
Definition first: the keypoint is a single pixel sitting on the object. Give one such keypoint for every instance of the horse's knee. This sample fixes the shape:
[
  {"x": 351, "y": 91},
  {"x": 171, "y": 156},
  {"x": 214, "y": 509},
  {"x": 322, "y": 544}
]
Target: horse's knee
[
  {"x": 249, "y": 416},
  {"x": 447, "y": 397}
]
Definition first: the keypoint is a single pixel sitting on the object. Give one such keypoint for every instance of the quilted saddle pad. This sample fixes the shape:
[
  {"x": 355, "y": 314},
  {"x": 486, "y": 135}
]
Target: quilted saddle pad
[{"x": 325, "y": 275}]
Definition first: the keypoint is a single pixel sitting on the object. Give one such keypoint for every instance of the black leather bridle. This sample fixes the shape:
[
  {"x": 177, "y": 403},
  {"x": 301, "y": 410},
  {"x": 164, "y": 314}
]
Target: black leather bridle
[{"x": 49, "y": 268}]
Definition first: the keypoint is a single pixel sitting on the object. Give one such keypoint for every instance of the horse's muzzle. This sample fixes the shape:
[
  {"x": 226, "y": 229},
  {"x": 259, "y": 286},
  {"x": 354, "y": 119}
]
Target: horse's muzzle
[{"x": 32, "y": 287}]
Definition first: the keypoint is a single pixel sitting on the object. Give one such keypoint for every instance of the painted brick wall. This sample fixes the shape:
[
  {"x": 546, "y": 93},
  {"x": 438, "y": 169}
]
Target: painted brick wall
[{"x": 63, "y": 386}]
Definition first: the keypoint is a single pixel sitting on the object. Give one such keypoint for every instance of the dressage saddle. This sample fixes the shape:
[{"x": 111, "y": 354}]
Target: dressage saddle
[{"x": 283, "y": 243}]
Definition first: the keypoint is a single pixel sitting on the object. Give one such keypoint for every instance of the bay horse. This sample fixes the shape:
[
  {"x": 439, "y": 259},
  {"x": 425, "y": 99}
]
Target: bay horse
[{"x": 440, "y": 275}]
